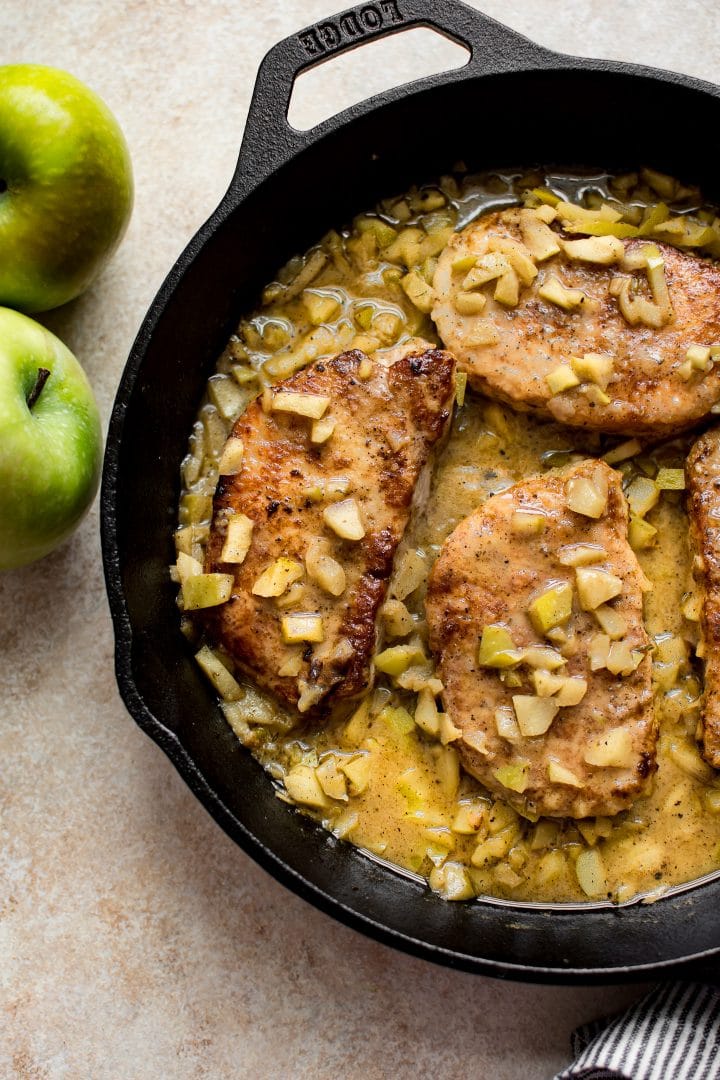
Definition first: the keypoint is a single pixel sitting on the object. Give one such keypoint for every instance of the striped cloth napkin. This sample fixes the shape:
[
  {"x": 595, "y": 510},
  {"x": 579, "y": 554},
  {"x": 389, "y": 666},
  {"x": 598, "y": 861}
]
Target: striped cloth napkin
[{"x": 673, "y": 1033}]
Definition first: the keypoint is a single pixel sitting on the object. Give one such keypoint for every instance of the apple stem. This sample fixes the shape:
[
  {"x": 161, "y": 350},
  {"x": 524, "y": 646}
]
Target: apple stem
[{"x": 42, "y": 377}]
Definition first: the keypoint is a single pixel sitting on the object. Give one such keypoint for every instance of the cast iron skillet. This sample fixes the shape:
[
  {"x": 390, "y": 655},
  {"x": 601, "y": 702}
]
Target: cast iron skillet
[{"x": 514, "y": 103}]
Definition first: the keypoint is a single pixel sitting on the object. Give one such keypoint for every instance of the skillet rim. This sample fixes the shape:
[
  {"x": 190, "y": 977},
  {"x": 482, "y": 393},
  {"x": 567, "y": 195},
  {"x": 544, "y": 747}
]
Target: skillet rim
[{"x": 244, "y": 181}]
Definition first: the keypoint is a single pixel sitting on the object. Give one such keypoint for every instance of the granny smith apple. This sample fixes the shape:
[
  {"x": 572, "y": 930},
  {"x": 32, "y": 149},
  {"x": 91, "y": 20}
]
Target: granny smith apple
[
  {"x": 66, "y": 187},
  {"x": 50, "y": 442}
]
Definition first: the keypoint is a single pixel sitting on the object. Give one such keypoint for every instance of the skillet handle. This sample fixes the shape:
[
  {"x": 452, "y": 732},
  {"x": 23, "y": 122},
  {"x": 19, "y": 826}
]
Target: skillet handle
[{"x": 269, "y": 139}]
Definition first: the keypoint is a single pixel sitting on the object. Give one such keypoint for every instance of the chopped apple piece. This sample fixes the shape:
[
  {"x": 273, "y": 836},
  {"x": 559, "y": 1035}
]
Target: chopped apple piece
[
  {"x": 527, "y": 523},
  {"x": 515, "y": 777},
  {"x": 561, "y": 378},
  {"x": 291, "y": 668},
  {"x": 598, "y": 651},
  {"x": 506, "y": 724},
  {"x": 551, "y": 608},
  {"x": 464, "y": 263},
  {"x": 590, "y": 872},
  {"x": 321, "y": 307},
  {"x": 622, "y": 452},
  {"x": 581, "y": 554},
  {"x": 187, "y": 566},
  {"x": 588, "y": 496},
  {"x": 427, "y": 717},
  {"x": 303, "y": 787},
  {"x": 534, "y": 714},
  {"x": 231, "y": 458},
  {"x": 483, "y": 332},
  {"x": 612, "y": 750},
  {"x": 323, "y": 569},
  {"x": 497, "y": 648},
  {"x": 226, "y": 685},
  {"x": 321, "y": 430},
  {"x": 611, "y": 622},
  {"x": 302, "y": 627},
  {"x": 543, "y": 657},
  {"x": 278, "y": 577},
  {"x": 670, "y": 480},
  {"x": 397, "y": 619},
  {"x": 642, "y": 495},
  {"x": 344, "y": 519},
  {"x": 572, "y": 691},
  {"x": 558, "y": 774},
  {"x": 698, "y": 356},
  {"x": 460, "y": 387},
  {"x": 312, "y": 405},
  {"x": 206, "y": 590},
  {"x": 469, "y": 819},
  {"x": 519, "y": 257},
  {"x": 398, "y": 658},
  {"x": 546, "y": 684},
  {"x": 593, "y": 367},
  {"x": 541, "y": 241},
  {"x": 622, "y": 660},
  {"x": 358, "y": 773},
  {"x": 451, "y": 881},
  {"x": 507, "y": 290},
  {"x": 596, "y": 587},
  {"x": 553, "y": 290},
  {"x": 418, "y": 291},
  {"x": 469, "y": 303},
  {"x": 331, "y": 779},
  {"x": 601, "y": 250},
  {"x": 237, "y": 539},
  {"x": 487, "y": 268}
]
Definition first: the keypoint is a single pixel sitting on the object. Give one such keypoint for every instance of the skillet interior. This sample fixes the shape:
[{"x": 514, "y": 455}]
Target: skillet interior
[{"x": 549, "y": 109}]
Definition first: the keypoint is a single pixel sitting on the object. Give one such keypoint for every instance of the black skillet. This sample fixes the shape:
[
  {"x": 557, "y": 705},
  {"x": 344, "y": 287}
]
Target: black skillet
[{"x": 514, "y": 103}]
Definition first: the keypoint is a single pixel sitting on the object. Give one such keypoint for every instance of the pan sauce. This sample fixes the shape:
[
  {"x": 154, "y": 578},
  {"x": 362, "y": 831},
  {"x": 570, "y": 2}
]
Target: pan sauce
[{"x": 402, "y": 794}]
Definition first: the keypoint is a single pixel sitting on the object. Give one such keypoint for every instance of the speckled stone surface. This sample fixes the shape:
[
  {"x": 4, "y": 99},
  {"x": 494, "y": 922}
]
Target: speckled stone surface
[{"x": 136, "y": 941}]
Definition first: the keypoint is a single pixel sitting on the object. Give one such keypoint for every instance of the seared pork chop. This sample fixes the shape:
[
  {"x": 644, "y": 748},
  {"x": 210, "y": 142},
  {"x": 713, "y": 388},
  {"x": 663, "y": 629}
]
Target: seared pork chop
[
  {"x": 535, "y": 618},
  {"x": 703, "y": 480},
  {"x": 326, "y": 487},
  {"x": 638, "y": 380}
]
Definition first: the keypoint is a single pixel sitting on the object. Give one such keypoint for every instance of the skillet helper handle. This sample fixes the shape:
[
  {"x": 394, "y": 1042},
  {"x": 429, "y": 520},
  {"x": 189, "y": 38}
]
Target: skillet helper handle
[{"x": 269, "y": 140}]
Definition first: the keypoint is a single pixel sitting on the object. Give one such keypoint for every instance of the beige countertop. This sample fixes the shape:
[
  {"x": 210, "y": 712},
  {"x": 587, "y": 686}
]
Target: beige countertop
[{"x": 136, "y": 940}]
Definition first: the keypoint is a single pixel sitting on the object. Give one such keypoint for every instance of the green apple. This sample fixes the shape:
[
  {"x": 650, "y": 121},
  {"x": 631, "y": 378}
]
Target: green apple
[
  {"x": 50, "y": 442},
  {"x": 66, "y": 186}
]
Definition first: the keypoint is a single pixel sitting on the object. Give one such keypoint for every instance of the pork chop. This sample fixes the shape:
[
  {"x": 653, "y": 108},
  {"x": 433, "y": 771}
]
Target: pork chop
[
  {"x": 326, "y": 487},
  {"x": 703, "y": 481},
  {"x": 643, "y": 382},
  {"x": 535, "y": 618}
]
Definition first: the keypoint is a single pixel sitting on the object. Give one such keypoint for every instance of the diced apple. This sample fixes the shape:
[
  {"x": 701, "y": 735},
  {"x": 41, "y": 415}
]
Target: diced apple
[
  {"x": 231, "y": 458},
  {"x": 206, "y": 590},
  {"x": 534, "y": 714},
  {"x": 558, "y": 774},
  {"x": 596, "y": 587},
  {"x": 311, "y": 405},
  {"x": 614, "y": 750},
  {"x": 302, "y": 627},
  {"x": 237, "y": 539},
  {"x": 497, "y": 648},
  {"x": 344, "y": 519},
  {"x": 278, "y": 577},
  {"x": 551, "y": 608}
]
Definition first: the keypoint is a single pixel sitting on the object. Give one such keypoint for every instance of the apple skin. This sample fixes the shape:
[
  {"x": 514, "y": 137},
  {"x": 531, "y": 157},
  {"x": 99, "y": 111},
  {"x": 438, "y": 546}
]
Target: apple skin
[
  {"x": 66, "y": 186},
  {"x": 50, "y": 454}
]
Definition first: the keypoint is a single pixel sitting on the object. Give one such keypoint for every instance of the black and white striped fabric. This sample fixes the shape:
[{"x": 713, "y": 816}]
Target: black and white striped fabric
[{"x": 673, "y": 1033}]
